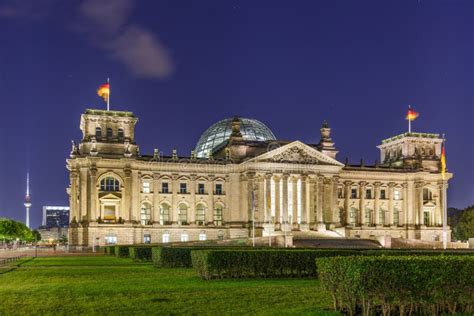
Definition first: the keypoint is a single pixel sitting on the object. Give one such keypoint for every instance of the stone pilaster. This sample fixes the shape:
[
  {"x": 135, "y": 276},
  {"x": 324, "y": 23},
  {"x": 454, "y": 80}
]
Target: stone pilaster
[
  {"x": 391, "y": 186},
  {"x": 83, "y": 194},
  {"x": 260, "y": 199},
  {"x": 268, "y": 197},
  {"x": 277, "y": 200},
  {"x": 336, "y": 220},
  {"x": 210, "y": 209},
  {"x": 361, "y": 220},
  {"x": 135, "y": 201},
  {"x": 404, "y": 217},
  {"x": 126, "y": 213},
  {"x": 156, "y": 198},
  {"x": 93, "y": 194},
  {"x": 347, "y": 195},
  {"x": 74, "y": 213},
  {"x": 319, "y": 204},
  {"x": 294, "y": 183},
  {"x": 284, "y": 193},
  {"x": 192, "y": 193},
  {"x": 376, "y": 219}
]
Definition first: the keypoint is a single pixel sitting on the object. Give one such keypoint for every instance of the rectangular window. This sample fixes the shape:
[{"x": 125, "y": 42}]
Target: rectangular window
[
  {"x": 396, "y": 217},
  {"x": 182, "y": 188},
  {"x": 184, "y": 237},
  {"x": 368, "y": 194},
  {"x": 426, "y": 218},
  {"x": 164, "y": 187},
  {"x": 383, "y": 194},
  {"x": 218, "y": 189},
  {"x": 340, "y": 193},
  {"x": 202, "y": 237},
  {"x": 146, "y": 187},
  {"x": 146, "y": 239},
  {"x": 110, "y": 240},
  {"x": 353, "y": 193},
  {"x": 165, "y": 238},
  {"x": 396, "y": 195},
  {"x": 200, "y": 188},
  {"x": 382, "y": 217}
]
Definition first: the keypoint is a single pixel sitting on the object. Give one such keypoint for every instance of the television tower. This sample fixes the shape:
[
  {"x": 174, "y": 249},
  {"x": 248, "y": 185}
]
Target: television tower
[{"x": 27, "y": 203}]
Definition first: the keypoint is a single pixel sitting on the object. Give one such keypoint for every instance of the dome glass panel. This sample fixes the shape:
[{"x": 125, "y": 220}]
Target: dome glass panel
[{"x": 219, "y": 132}]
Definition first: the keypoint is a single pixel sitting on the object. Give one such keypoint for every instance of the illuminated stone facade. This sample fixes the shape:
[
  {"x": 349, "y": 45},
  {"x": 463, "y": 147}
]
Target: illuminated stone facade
[{"x": 118, "y": 195}]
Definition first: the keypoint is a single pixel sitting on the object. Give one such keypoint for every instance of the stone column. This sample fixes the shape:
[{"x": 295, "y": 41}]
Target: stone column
[
  {"x": 93, "y": 194},
  {"x": 83, "y": 194},
  {"x": 376, "y": 219},
  {"x": 336, "y": 220},
  {"x": 391, "y": 185},
  {"x": 284, "y": 193},
  {"x": 156, "y": 198},
  {"x": 419, "y": 197},
  {"x": 174, "y": 198},
  {"x": 192, "y": 193},
  {"x": 294, "y": 183},
  {"x": 319, "y": 204},
  {"x": 260, "y": 199},
  {"x": 411, "y": 204},
  {"x": 277, "y": 200},
  {"x": 438, "y": 219},
  {"x": 210, "y": 209},
  {"x": 304, "y": 199},
  {"x": 347, "y": 196},
  {"x": 126, "y": 213},
  {"x": 361, "y": 218},
  {"x": 244, "y": 199},
  {"x": 73, "y": 197},
  {"x": 311, "y": 198},
  {"x": 268, "y": 197},
  {"x": 404, "y": 218},
  {"x": 135, "y": 186}
]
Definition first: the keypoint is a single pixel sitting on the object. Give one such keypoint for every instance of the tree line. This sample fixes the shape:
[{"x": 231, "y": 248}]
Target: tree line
[{"x": 11, "y": 230}]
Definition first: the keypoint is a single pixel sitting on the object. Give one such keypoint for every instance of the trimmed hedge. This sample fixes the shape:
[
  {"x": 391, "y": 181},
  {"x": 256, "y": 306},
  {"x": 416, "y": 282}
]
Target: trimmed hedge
[
  {"x": 171, "y": 257},
  {"x": 254, "y": 263},
  {"x": 110, "y": 250},
  {"x": 122, "y": 251},
  {"x": 399, "y": 284},
  {"x": 140, "y": 253}
]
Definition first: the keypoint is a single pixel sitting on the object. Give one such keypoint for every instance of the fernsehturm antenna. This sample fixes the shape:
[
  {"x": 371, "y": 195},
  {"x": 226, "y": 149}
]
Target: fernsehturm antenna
[{"x": 27, "y": 203}]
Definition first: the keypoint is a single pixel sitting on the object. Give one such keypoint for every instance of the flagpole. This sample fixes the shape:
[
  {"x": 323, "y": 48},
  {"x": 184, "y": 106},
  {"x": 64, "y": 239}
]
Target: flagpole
[
  {"x": 409, "y": 120},
  {"x": 108, "y": 96},
  {"x": 445, "y": 207}
]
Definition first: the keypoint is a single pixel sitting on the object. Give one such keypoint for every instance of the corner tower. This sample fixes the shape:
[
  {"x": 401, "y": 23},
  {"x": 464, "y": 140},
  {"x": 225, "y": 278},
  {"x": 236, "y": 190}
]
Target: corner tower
[{"x": 107, "y": 133}]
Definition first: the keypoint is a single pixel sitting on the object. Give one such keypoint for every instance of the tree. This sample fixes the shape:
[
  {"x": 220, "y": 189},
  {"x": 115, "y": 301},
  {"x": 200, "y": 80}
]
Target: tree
[
  {"x": 465, "y": 226},
  {"x": 36, "y": 235},
  {"x": 13, "y": 230}
]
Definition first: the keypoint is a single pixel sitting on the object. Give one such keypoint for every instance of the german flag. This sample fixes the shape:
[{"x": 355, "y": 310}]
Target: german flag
[
  {"x": 443, "y": 161},
  {"x": 412, "y": 114},
  {"x": 104, "y": 91}
]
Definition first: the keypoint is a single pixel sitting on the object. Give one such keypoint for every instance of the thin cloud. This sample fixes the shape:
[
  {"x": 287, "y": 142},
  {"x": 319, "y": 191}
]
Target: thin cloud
[{"x": 106, "y": 25}]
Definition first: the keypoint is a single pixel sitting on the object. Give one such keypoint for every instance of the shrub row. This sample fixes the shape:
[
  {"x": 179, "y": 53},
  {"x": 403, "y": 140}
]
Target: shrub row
[
  {"x": 140, "y": 253},
  {"x": 211, "y": 264},
  {"x": 122, "y": 251},
  {"x": 399, "y": 284}
]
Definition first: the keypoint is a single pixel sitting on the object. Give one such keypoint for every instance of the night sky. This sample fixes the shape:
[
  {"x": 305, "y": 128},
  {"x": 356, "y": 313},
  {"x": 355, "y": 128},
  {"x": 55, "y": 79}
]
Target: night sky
[{"x": 182, "y": 65}]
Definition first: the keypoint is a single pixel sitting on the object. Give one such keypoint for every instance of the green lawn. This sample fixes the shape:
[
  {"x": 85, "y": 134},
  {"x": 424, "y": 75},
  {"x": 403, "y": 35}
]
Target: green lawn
[{"x": 108, "y": 285}]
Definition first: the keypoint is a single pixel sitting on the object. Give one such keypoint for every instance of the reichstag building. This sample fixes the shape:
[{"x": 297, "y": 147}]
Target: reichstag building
[{"x": 240, "y": 175}]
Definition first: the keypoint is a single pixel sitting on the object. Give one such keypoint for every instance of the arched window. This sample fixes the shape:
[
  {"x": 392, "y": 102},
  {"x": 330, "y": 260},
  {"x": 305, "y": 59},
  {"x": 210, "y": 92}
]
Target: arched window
[
  {"x": 353, "y": 215},
  {"x": 396, "y": 217},
  {"x": 164, "y": 214},
  {"x": 368, "y": 216},
  {"x": 182, "y": 214},
  {"x": 120, "y": 134},
  {"x": 145, "y": 213},
  {"x": 427, "y": 195},
  {"x": 98, "y": 132},
  {"x": 109, "y": 132},
  {"x": 218, "y": 210},
  {"x": 382, "y": 216},
  {"x": 109, "y": 184},
  {"x": 200, "y": 214}
]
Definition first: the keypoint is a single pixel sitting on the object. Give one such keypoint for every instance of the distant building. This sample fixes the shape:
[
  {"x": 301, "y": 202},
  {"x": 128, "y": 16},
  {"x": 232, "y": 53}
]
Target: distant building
[{"x": 55, "y": 217}]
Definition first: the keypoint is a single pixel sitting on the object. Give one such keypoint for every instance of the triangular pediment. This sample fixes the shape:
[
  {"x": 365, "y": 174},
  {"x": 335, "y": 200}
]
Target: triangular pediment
[
  {"x": 109, "y": 196},
  {"x": 297, "y": 153}
]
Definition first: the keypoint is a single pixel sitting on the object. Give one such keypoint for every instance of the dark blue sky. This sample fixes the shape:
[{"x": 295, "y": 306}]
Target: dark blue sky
[{"x": 182, "y": 65}]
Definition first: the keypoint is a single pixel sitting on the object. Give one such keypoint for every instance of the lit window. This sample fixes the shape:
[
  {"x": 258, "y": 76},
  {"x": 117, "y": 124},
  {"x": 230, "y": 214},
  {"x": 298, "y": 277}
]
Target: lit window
[
  {"x": 165, "y": 238},
  {"x": 109, "y": 184},
  {"x": 200, "y": 188},
  {"x": 146, "y": 187},
  {"x": 396, "y": 194},
  {"x": 353, "y": 215},
  {"x": 145, "y": 214},
  {"x": 184, "y": 237},
  {"x": 200, "y": 214},
  {"x": 182, "y": 188},
  {"x": 202, "y": 237},
  {"x": 164, "y": 187},
  {"x": 110, "y": 240},
  {"x": 146, "y": 239},
  {"x": 109, "y": 133},
  {"x": 182, "y": 214},
  {"x": 218, "y": 215},
  {"x": 98, "y": 132},
  {"x": 218, "y": 189},
  {"x": 164, "y": 214}
]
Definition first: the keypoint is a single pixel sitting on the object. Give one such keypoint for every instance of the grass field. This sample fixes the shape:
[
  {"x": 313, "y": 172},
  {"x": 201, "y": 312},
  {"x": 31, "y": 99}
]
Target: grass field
[{"x": 108, "y": 285}]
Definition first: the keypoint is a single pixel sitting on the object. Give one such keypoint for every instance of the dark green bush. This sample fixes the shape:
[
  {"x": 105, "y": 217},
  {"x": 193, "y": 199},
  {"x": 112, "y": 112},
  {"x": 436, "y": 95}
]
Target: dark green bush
[
  {"x": 122, "y": 251},
  {"x": 140, "y": 253},
  {"x": 400, "y": 284},
  {"x": 254, "y": 263},
  {"x": 171, "y": 257},
  {"x": 110, "y": 250}
]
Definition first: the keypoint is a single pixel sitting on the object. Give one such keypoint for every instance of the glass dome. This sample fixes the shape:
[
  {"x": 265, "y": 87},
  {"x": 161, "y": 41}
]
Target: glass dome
[{"x": 219, "y": 132}]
